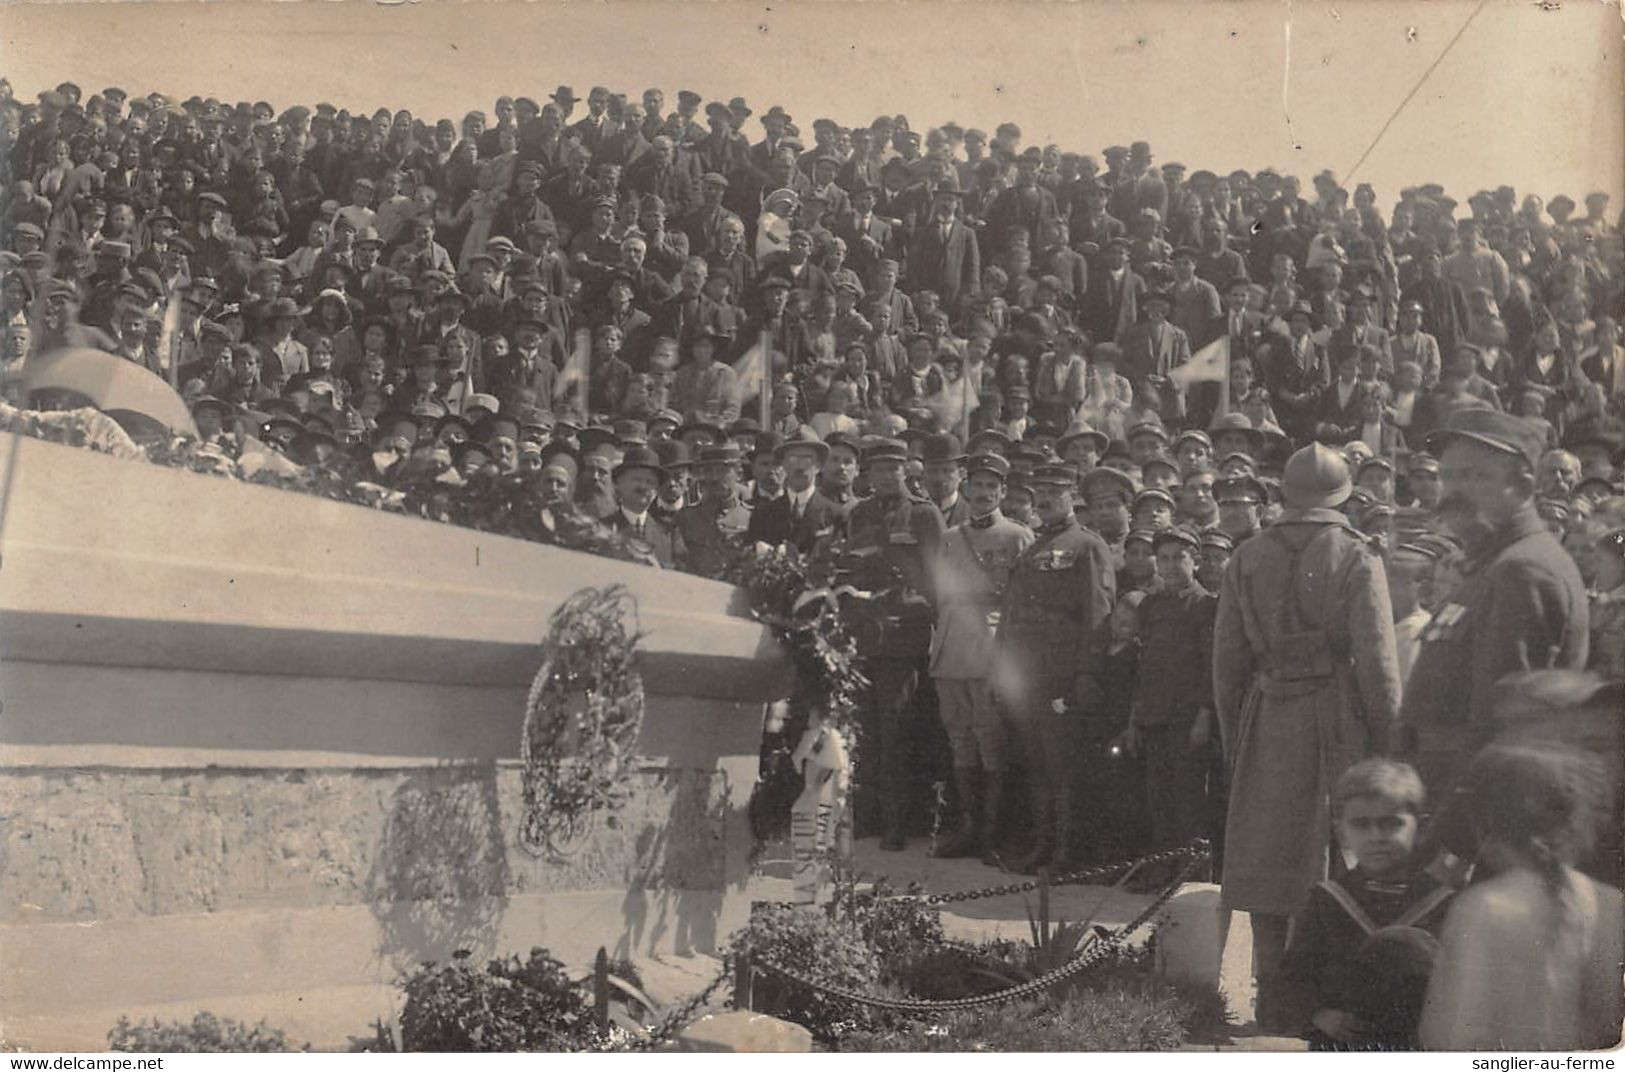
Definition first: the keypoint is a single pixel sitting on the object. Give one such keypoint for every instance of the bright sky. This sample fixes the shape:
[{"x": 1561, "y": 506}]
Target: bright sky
[{"x": 1529, "y": 96}]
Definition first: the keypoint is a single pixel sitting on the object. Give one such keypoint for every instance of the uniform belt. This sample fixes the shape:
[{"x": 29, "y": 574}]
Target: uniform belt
[{"x": 1044, "y": 614}]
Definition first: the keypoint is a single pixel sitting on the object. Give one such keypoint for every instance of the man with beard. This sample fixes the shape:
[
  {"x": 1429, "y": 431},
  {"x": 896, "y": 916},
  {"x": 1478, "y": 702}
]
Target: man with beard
[{"x": 1521, "y": 604}]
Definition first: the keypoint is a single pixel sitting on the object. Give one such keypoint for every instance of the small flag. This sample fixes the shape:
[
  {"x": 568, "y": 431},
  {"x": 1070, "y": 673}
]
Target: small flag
[
  {"x": 1210, "y": 364},
  {"x": 575, "y": 368}
]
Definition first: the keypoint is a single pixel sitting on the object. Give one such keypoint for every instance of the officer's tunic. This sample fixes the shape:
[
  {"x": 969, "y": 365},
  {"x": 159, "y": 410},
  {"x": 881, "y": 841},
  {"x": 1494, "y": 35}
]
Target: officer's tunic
[
  {"x": 1053, "y": 629},
  {"x": 977, "y": 556},
  {"x": 1521, "y": 605},
  {"x": 707, "y": 528},
  {"x": 1289, "y": 736},
  {"x": 898, "y": 539}
]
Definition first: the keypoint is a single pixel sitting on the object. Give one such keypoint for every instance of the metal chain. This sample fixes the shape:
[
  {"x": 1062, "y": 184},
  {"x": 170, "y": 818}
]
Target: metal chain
[
  {"x": 1090, "y": 956},
  {"x": 1068, "y": 878},
  {"x": 675, "y": 1020}
]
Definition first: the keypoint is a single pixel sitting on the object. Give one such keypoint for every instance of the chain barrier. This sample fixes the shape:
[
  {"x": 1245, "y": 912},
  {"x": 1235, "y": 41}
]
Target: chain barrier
[
  {"x": 1193, "y": 854},
  {"x": 672, "y": 1022},
  {"x": 1067, "y": 878},
  {"x": 1097, "y": 951}
]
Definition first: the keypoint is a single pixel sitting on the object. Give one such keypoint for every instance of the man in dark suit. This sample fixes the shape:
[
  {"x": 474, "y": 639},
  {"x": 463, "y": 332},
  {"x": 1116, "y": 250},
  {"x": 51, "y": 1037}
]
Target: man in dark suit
[
  {"x": 943, "y": 475},
  {"x": 1340, "y": 408},
  {"x": 795, "y": 266},
  {"x": 869, "y": 238},
  {"x": 944, "y": 255},
  {"x": 596, "y": 124},
  {"x": 688, "y": 313},
  {"x": 637, "y": 481},
  {"x": 703, "y": 225},
  {"x": 1025, "y": 205},
  {"x": 1112, "y": 303},
  {"x": 1155, "y": 346},
  {"x": 802, "y": 515},
  {"x": 657, "y": 173},
  {"x": 1444, "y": 306}
]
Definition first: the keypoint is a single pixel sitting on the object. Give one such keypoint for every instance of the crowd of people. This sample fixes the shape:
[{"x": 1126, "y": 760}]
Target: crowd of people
[{"x": 1140, "y": 600}]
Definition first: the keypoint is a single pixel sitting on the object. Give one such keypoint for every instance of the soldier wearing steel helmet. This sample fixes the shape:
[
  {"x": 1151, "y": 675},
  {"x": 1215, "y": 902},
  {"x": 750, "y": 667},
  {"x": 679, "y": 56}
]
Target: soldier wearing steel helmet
[{"x": 1306, "y": 682}]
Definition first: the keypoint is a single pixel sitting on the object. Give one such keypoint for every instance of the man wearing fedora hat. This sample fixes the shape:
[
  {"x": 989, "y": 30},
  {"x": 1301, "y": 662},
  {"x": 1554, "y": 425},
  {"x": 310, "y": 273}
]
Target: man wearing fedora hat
[
  {"x": 944, "y": 255},
  {"x": 803, "y": 514},
  {"x": 637, "y": 482},
  {"x": 1306, "y": 683}
]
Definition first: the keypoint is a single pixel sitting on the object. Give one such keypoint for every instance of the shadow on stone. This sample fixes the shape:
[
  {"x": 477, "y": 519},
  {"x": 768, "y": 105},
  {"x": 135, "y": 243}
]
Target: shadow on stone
[{"x": 440, "y": 877}]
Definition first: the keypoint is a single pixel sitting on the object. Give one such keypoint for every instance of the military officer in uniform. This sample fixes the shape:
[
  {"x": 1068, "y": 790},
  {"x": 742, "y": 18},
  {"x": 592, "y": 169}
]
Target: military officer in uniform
[
  {"x": 1240, "y": 499},
  {"x": 1305, "y": 683},
  {"x": 1520, "y": 605},
  {"x": 1050, "y": 654},
  {"x": 709, "y": 526},
  {"x": 894, "y": 539},
  {"x": 977, "y": 555}
]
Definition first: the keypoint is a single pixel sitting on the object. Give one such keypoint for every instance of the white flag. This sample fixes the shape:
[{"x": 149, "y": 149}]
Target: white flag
[
  {"x": 575, "y": 367},
  {"x": 1210, "y": 364},
  {"x": 748, "y": 369}
]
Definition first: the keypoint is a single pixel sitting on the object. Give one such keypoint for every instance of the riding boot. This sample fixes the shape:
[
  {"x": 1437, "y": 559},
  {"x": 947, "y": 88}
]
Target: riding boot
[
  {"x": 1043, "y": 810},
  {"x": 992, "y": 797},
  {"x": 1064, "y": 858},
  {"x": 962, "y": 842},
  {"x": 892, "y": 827}
]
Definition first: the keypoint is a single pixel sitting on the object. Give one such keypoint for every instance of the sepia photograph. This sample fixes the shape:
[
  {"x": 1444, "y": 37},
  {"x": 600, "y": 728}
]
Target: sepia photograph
[{"x": 826, "y": 527}]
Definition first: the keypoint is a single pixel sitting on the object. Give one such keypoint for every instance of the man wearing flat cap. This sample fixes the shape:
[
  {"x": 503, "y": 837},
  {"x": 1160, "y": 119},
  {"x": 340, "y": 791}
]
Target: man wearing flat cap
[
  {"x": 1306, "y": 683},
  {"x": 894, "y": 539},
  {"x": 703, "y": 224},
  {"x": 1521, "y": 604},
  {"x": 523, "y": 205}
]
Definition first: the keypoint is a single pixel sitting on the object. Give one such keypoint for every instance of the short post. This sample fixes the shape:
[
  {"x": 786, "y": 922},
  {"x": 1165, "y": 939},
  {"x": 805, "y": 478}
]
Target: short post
[
  {"x": 600, "y": 988},
  {"x": 744, "y": 978},
  {"x": 1043, "y": 907}
]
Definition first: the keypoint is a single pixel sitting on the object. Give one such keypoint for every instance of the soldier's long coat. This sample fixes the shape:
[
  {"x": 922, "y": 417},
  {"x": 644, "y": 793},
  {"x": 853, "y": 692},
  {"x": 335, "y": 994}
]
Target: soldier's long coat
[{"x": 1286, "y": 742}]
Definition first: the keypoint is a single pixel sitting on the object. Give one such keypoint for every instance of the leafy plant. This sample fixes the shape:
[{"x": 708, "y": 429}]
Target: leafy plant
[
  {"x": 813, "y": 943},
  {"x": 512, "y": 1005},
  {"x": 206, "y": 1033},
  {"x": 1116, "y": 1020}
]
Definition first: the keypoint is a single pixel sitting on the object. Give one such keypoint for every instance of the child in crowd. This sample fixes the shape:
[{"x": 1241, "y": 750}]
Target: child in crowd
[
  {"x": 1171, "y": 719},
  {"x": 1361, "y": 951},
  {"x": 1531, "y": 956}
]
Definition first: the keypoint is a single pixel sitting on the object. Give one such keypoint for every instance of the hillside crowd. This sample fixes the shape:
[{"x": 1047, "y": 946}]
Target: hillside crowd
[{"x": 1187, "y": 497}]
